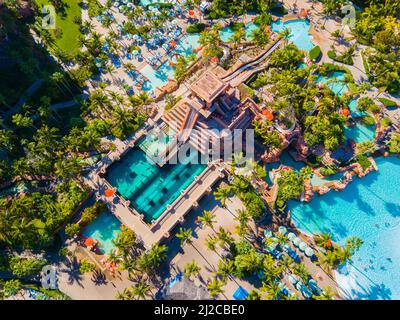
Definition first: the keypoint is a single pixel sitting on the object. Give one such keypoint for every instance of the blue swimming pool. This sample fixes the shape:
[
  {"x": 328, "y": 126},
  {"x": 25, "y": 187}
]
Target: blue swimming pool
[
  {"x": 335, "y": 82},
  {"x": 285, "y": 159},
  {"x": 353, "y": 109},
  {"x": 159, "y": 77},
  {"x": 104, "y": 229},
  {"x": 360, "y": 132},
  {"x": 370, "y": 209},
  {"x": 227, "y": 32},
  {"x": 299, "y": 34},
  {"x": 149, "y": 187}
]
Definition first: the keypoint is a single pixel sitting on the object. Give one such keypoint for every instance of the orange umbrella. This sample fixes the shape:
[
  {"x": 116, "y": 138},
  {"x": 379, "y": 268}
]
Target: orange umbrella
[
  {"x": 214, "y": 59},
  {"x": 89, "y": 242},
  {"x": 268, "y": 114},
  {"x": 109, "y": 193},
  {"x": 303, "y": 13},
  {"x": 345, "y": 112},
  {"x": 173, "y": 43},
  {"x": 191, "y": 12}
]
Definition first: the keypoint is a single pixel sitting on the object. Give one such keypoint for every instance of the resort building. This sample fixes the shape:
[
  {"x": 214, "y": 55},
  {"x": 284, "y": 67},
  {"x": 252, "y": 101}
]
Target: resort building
[{"x": 153, "y": 194}]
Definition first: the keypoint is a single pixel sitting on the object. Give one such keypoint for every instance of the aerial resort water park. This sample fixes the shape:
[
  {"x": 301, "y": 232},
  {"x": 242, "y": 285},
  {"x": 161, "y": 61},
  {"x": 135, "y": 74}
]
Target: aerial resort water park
[{"x": 199, "y": 150}]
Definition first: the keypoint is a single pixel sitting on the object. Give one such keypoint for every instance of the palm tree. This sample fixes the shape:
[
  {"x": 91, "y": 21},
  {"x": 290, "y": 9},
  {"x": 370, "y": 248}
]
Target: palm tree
[
  {"x": 323, "y": 240},
  {"x": 222, "y": 194},
  {"x": 237, "y": 37},
  {"x": 208, "y": 218},
  {"x": 272, "y": 289},
  {"x": 141, "y": 289},
  {"x": 126, "y": 294},
  {"x": 287, "y": 264},
  {"x": 184, "y": 235},
  {"x": 192, "y": 269},
  {"x": 224, "y": 237},
  {"x": 243, "y": 217},
  {"x": 327, "y": 294},
  {"x": 225, "y": 269},
  {"x": 285, "y": 34},
  {"x": 211, "y": 243},
  {"x": 215, "y": 287},
  {"x": 302, "y": 271}
]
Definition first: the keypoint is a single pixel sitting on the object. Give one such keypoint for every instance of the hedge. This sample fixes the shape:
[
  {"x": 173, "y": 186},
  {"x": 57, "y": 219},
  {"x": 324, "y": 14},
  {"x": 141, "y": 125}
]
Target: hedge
[
  {"x": 388, "y": 102},
  {"x": 196, "y": 28},
  {"x": 315, "y": 53}
]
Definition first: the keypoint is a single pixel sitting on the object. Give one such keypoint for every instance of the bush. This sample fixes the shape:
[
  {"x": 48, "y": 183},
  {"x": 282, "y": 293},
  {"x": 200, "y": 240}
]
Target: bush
[
  {"x": 388, "y": 102},
  {"x": 386, "y": 122},
  {"x": 363, "y": 161},
  {"x": 279, "y": 10},
  {"x": 368, "y": 120},
  {"x": 331, "y": 54},
  {"x": 196, "y": 28},
  {"x": 86, "y": 266},
  {"x": 315, "y": 53},
  {"x": 235, "y": 26},
  {"x": 72, "y": 230},
  {"x": 91, "y": 213},
  {"x": 25, "y": 267},
  {"x": 327, "y": 171}
]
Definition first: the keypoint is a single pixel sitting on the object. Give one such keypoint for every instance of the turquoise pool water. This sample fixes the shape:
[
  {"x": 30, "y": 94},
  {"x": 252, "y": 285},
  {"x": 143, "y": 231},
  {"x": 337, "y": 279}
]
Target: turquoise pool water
[
  {"x": 360, "y": 132},
  {"x": 227, "y": 32},
  {"x": 370, "y": 209},
  {"x": 104, "y": 229},
  {"x": 154, "y": 144},
  {"x": 334, "y": 82},
  {"x": 285, "y": 159},
  {"x": 151, "y": 188},
  {"x": 354, "y": 111},
  {"x": 158, "y": 78},
  {"x": 299, "y": 34},
  {"x": 317, "y": 181}
]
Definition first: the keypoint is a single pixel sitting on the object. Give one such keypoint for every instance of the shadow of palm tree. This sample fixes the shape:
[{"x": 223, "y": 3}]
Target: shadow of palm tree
[
  {"x": 99, "y": 278},
  {"x": 72, "y": 270}
]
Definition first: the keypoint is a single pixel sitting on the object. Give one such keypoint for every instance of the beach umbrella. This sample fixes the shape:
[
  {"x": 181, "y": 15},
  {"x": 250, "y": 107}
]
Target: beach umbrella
[
  {"x": 173, "y": 43},
  {"x": 273, "y": 245},
  {"x": 291, "y": 236},
  {"x": 89, "y": 242},
  {"x": 302, "y": 246},
  {"x": 293, "y": 279},
  {"x": 345, "y": 112},
  {"x": 285, "y": 247},
  {"x": 109, "y": 193},
  {"x": 191, "y": 13},
  {"x": 296, "y": 241},
  {"x": 267, "y": 233},
  {"x": 214, "y": 59},
  {"x": 309, "y": 252},
  {"x": 267, "y": 114},
  {"x": 282, "y": 230}
]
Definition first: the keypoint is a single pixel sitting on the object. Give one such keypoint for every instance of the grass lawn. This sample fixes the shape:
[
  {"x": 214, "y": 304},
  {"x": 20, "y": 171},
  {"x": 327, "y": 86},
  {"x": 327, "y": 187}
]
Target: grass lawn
[{"x": 65, "y": 21}]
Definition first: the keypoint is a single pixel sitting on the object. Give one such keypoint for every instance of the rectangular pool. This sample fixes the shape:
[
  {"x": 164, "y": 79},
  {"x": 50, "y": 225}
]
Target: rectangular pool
[{"x": 147, "y": 186}]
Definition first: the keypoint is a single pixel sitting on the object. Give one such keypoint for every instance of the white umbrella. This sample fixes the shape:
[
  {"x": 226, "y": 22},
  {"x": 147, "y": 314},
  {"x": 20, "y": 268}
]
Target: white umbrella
[
  {"x": 296, "y": 241},
  {"x": 309, "y": 252},
  {"x": 282, "y": 230},
  {"x": 291, "y": 236},
  {"x": 302, "y": 246}
]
